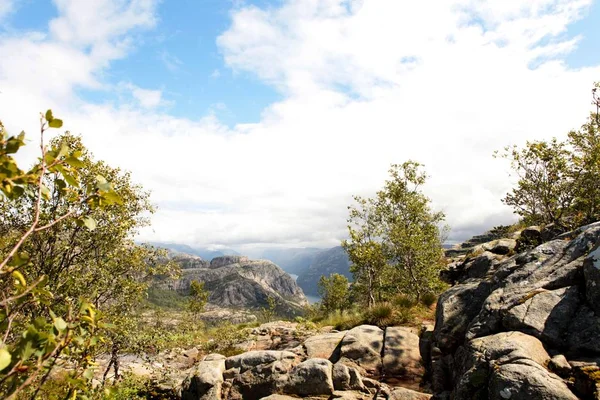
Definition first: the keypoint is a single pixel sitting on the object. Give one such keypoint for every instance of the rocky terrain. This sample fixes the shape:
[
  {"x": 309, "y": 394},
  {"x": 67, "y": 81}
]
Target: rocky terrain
[
  {"x": 238, "y": 282},
  {"x": 521, "y": 325},
  {"x": 327, "y": 262},
  {"x": 521, "y": 321}
]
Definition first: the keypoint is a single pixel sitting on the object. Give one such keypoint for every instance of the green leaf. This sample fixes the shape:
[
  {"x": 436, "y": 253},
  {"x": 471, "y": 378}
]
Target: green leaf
[
  {"x": 55, "y": 123},
  {"x": 70, "y": 179},
  {"x": 49, "y": 116},
  {"x": 60, "y": 324},
  {"x": 74, "y": 162},
  {"x": 90, "y": 223},
  {"x": 113, "y": 198},
  {"x": 5, "y": 358}
]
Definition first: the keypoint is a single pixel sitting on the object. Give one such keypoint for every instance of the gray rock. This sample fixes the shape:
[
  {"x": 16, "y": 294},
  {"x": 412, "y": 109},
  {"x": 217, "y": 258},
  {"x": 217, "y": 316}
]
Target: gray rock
[
  {"x": 347, "y": 378},
  {"x": 545, "y": 314},
  {"x": 455, "y": 310},
  {"x": 401, "y": 355},
  {"x": 501, "y": 246},
  {"x": 253, "y": 359},
  {"x": 312, "y": 377},
  {"x": 591, "y": 268},
  {"x": 324, "y": 346},
  {"x": 206, "y": 379},
  {"x": 584, "y": 331},
  {"x": 407, "y": 394},
  {"x": 362, "y": 346},
  {"x": 560, "y": 366},
  {"x": 508, "y": 365}
]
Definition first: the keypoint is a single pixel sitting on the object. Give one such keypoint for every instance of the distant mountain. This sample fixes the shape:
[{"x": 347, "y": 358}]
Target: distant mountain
[
  {"x": 205, "y": 253},
  {"x": 326, "y": 262},
  {"x": 292, "y": 260},
  {"x": 238, "y": 282}
]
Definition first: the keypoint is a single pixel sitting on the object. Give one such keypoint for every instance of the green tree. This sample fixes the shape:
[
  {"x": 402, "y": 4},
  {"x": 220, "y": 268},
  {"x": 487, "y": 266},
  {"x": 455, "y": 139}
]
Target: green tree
[
  {"x": 395, "y": 241},
  {"x": 198, "y": 297},
  {"x": 365, "y": 249},
  {"x": 558, "y": 181},
  {"x": 35, "y": 330},
  {"x": 334, "y": 292},
  {"x": 545, "y": 190}
]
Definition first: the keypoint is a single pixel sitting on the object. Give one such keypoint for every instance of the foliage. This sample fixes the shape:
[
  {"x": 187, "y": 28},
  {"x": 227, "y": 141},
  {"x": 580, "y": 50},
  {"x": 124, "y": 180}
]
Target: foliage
[
  {"x": 558, "y": 181},
  {"x": 428, "y": 299},
  {"x": 166, "y": 299},
  {"x": 198, "y": 298},
  {"x": 395, "y": 240},
  {"x": 266, "y": 314},
  {"x": 38, "y": 324},
  {"x": 334, "y": 292},
  {"x": 224, "y": 339}
]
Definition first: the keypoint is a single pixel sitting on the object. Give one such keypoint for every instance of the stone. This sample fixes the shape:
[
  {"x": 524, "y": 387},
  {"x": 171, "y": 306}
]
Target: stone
[
  {"x": 507, "y": 365},
  {"x": 560, "y": 366},
  {"x": 312, "y": 377},
  {"x": 253, "y": 359},
  {"x": 400, "y": 393},
  {"x": 362, "y": 346},
  {"x": 347, "y": 395},
  {"x": 401, "y": 355},
  {"x": 206, "y": 379},
  {"x": 545, "y": 315},
  {"x": 591, "y": 270},
  {"x": 455, "y": 310},
  {"x": 324, "y": 346},
  {"x": 501, "y": 246},
  {"x": 347, "y": 378}
]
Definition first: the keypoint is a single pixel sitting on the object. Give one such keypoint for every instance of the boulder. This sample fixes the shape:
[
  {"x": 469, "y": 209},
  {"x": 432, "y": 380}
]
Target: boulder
[
  {"x": 507, "y": 365},
  {"x": 400, "y": 393},
  {"x": 362, "y": 346},
  {"x": 206, "y": 379},
  {"x": 455, "y": 310},
  {"x": 401, "y": 355},
  {"x": 324, "y": 346},
  {"x": 545, "y": 314},
  {"x": 501, "y": 246},
  {"x": 591, "y": 268},
  {"x": 560, "y": 366},
  {"x": 253, "y": 359},
  {"x": 347, "y": 378},
  {"x": 312, "y": 377}
]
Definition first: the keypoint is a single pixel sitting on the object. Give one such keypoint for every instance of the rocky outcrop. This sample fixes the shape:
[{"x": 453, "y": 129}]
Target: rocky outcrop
[
  {"x": 508, "y": 312},
  {"x": 237, "y": 282},
  {"x": 348, "y": 360}
]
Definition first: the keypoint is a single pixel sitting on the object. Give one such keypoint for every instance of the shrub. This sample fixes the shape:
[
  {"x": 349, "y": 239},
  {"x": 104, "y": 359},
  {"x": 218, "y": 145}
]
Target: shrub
[
  {"x": 381, "y": 314},
  {"x": 428, "y": 299}
]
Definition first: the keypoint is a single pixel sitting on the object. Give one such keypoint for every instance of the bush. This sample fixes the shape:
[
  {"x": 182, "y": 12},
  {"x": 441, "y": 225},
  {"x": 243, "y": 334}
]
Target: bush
[
  {"x": 428, "y": 299},
  {"x": 404, "y": 301}
]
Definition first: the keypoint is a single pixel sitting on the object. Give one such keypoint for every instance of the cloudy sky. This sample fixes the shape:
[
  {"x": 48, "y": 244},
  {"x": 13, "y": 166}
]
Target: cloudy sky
[{"x": 253, "y": 122}]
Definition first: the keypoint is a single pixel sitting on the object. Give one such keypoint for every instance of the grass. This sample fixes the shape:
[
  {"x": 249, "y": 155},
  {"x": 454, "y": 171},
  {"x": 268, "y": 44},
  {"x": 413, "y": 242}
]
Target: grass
[{"x": 403, "y": 310}]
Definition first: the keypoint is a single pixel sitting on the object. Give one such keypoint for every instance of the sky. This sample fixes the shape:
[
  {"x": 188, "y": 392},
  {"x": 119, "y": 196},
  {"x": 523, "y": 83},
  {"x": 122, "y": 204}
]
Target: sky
[{"x": 253, "y": 122}]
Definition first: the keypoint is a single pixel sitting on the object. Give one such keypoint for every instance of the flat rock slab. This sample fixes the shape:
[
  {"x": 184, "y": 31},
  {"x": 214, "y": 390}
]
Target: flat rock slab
[
  {"x": 401, "y": 355},
  {"x": 324, "y": 346},
  {"x": 407, "y": 394}
]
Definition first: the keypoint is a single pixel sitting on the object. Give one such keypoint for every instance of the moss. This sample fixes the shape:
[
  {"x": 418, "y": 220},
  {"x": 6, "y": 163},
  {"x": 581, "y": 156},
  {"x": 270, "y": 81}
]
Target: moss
[{"x": 592, "y": 372}]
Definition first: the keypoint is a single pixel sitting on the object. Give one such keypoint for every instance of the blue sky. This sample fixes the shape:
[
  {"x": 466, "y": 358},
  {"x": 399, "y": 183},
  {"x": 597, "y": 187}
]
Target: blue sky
[
  {"x": 180, "y": 57},
  {"x": 268, "y": 116}
]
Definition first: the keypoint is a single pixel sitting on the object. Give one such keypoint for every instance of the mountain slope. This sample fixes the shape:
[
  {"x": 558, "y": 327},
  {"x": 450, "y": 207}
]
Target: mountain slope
[{"x": 327, "y": 262}]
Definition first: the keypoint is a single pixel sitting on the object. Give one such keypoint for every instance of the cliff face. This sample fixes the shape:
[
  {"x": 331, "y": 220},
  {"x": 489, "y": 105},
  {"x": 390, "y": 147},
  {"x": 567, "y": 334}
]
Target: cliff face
[
  {"x": 519, "y": 325},
  {"x": 237, "y": 282},
  {"x": 334, "y": 260}
]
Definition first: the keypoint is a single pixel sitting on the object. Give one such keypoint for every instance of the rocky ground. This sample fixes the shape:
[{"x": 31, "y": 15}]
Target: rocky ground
[
  {"x": 521, "y": 321},
  {"x": 521, "y": 324}
]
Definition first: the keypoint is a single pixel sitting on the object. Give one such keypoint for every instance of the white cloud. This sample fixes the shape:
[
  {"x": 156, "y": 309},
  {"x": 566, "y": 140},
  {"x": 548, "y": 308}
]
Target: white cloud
[
  {"x": 365, "y": 84},
  {"x": 6, "y": 7},
  {"x": 147, "y": 98}
]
